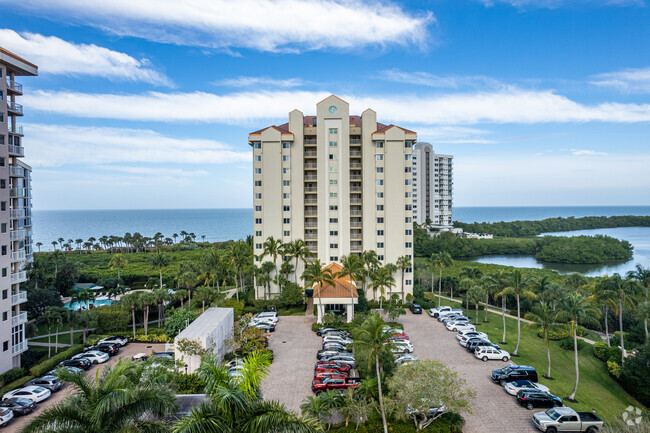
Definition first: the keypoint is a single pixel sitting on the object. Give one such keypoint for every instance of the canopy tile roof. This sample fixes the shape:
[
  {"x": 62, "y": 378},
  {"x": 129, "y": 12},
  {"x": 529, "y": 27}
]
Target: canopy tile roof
[{"x": 341, "y": 287}]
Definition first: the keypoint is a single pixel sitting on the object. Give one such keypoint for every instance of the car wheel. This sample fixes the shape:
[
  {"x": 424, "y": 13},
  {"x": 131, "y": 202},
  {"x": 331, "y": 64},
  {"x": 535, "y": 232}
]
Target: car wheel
[
  {"x": 592, "y": 430},
  {"x": 551, "y": 430},
  {"x": 455, "y": 330},
  {"x": 502, "y": 382},
  {"x": 484, "y": 359},
  {"x": 319, "y": 392},
  {"x": 529, "y": 406},
  {"x": 94, "y": 362},
  {"x": 504, "y": 359}
]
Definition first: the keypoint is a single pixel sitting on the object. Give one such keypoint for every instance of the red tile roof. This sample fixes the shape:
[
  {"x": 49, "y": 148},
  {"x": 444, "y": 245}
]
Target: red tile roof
[
  {"x": 308, "y": 121},
  {"x": 341, "y": 287},
  {"x": 384, "y": 128}
]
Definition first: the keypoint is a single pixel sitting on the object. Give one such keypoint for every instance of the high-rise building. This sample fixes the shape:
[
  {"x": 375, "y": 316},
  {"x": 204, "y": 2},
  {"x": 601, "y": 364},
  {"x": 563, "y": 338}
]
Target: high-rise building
[
  {"x": 432, "y": 186},
  {"x": 15, "y": 211},
  {"x": 340, "y": 182}
]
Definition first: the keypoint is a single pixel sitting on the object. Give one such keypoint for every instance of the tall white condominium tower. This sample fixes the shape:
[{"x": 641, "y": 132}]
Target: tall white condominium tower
[
  {"x": 341, "y": 183},
  {"x": 432, "y": 186},
  {"x": 15, "y": 211}
]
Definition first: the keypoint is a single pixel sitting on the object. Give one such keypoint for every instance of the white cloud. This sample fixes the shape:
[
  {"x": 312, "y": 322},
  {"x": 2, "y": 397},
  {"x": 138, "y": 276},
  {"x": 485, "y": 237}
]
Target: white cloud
[
  {"x": 627, "y": 80},
  {"x": 259, "y": 81},
  {"x": 56, "y": 56},
  {"x": 453, "y": 135},
  {"x": 58, "y": 145},
  {"x": 587, "y": 152},
  {"x": 554, "y": 4},
  {"x": 444, "y": 82},
  {"x": 266, "y": 25},
  {"x": 506, "y": 106},
  {"x": 176, "y": 172}
]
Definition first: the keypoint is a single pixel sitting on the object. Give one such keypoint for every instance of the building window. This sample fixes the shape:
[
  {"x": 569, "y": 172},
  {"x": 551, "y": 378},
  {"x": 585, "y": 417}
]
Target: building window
[
  {"x": 258, "y": 183},
  {"x": 379, "y": 156},
  {"x": 380, "y": 233},
  {"x": 5, "y": 346},
  {"x": 380, "y": 207},
  {"x": 408, "y": 220},
  {"x": 380, "y": 182},
  {"x": 258, "y": 171},
  {"x": 408, "y": 207},
  {"x": 379, "y": 144},
  {"x": 380, "y": 195},
  {"x": 258, "y": 233},
  {"x": 286, "y": 145},
  {"x": 408, "y": 232},
  {"x": 3, "y": 183},
  {"x": 407, "y": 169},
  {"x": 408, "y": 244},
  {"x": 285, "y": 158},
  {"x": 286, "y": 183},
  {"x": 380, "y": 258},
  {"x": 286, "y": 170},
  {"x": 286, "y": 208},
  {"x": 379, "y": 169},
  {"x": 2, "y": 139},
  {"x": 258, "y": 208},
  {"x": 334, "y": 207},
  {"x": 334, "y": 220},
  {"x": 3, "y": 227},
  {"x": 286, "y": 220},
  {"x": 5, "y": 294},
  {"x": 287, "y": 233},
  {"x": 408, "y": 282},
  {"x": 286, "y": 195},
  {"x": 334, "y": 233},
  {"x": 5, "y": 316},
  {"x": 258, "y": 220},
  {"x": 334, "y": 194},
  {"x": 257, "y": 158},
  {"x": 334, "y": 182},
  {"x": 380, "y": 245},
  {"x": 4, "y": 272},
  {"x": 2, "y": 162},
  {"x": 380, "y": 220},
  {"x": 258, "y": 196},
  {"x": 334, "y": 259},
  {"x": 407, "y": 182},
  {"x": 258, "y": 246},
  {"x": 407, "y": 194},
  {"x": 408, "y": 157},
  {"x": 334, "y": 245},
  {"x": 334, "y": 156},
  {"x": 333, "y": 169},
  {"x": 334, "y": 143},
  {"x": 257, "y": 145},
  {"x": 4, "y": 250},
  {"x": 334, "y": 131}
]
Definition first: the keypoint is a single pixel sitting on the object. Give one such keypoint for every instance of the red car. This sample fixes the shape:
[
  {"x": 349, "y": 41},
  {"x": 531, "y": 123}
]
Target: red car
[
  {"x": 334, "y": 382},
  {"x": 327, "y": 372},
  {"x": 330, "y": 365}
]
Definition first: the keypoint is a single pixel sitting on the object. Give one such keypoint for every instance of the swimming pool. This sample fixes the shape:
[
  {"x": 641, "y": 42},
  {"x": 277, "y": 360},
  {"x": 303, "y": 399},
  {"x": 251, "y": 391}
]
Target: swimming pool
[{"x": 96, "y": 303}]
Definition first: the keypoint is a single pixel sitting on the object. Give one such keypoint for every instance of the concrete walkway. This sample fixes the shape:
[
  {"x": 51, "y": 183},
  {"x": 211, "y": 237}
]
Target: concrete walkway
[
  {"x": 54, "y": 334},
  {"x": 59, "y": 345}
]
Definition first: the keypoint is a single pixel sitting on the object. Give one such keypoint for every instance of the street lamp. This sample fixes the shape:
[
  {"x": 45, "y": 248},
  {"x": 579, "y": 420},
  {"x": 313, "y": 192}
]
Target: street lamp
[{"x": 185, "y": 368}]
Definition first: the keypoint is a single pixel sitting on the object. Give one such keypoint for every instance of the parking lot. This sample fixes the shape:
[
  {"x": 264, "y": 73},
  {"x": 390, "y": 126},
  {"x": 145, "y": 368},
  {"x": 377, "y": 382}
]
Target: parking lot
[
  {"x": 17, "y": 424},
  {"x": 294, "y": 348},
  {"x": 494, "y": 410}
]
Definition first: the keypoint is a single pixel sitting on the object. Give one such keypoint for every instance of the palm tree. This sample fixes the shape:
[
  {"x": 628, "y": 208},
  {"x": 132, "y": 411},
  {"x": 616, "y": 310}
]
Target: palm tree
[
  {"x": 371, "y": 338},
  {"x": 133, "y": 301},
  {"x": 265, "y": 272},
  {"x": 642, "y": 275},
  {"x": 50, "y": 317},
  {"x": 175, "y": 235},
  {"x": 162, "y": 295},
  {"x": 237, "y": 256},
  {"x": 86, "y": 318},
  {"x": 542, "y": 317},
  {"x": 381, "y": 279},
  {"x": 371, "y": 263},
  {"x": 516, "y": 285},
  {"x": 476, "y": 294},
  {"x": 552, "y": 293},
  {"x": 624, "y": 290},
  {"x": 351, "y": 267},
  {"x": 471, "y": 273},
  {"x": 576, "y": 309},
  {"x": 159, "y": 260},
  {"x": 605, "y": 294},
  {"x": 314, "y": 407},
  {"x": 235, "y": 403},
  {"x": 391, "y": 268},
  {"x": 403, "y": 263},
  {"x": 54, "y": 244},
  {"x": 39, "y": 245},
  {"x": 188, "y": 280},
  {"x": 123, "y": 398},
  {"x": 575, "y": 281},
  {"x": 273, "y": 249},
  {"x": 118, "y": 262},
  {"x": 316, "y": 274},
  {"x": 61, "y": 241},
  {"x": 147, "y": 299},
  {"x": 180, "y": 295},
  {"x": 298, "y": 251},
  {"x": 59, "y": 314},
  {"x": 214, "y": 262},
  {"x": 441, "y": 260}
]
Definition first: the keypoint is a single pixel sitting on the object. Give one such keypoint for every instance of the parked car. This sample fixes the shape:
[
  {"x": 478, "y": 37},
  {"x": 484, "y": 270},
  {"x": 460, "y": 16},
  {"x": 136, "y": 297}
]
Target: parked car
[
  {"x": 461, "y": 326},
  {"x": 337, "y": 339},
  {"x": 342, "y": 334},
  {"x": 342, "y": 359},
  {"x": 401, "y": 347},
  {"x": 435, "y": 312},
  {"x": 110, "y": 348},
  {"x": 559, "y": 419},
  {"x": 263, "y": 321},
  {"x": 325, "y": 353},
  {"x": 474, "y": 343},
  {"x": 140, "y": 357},
  {"x": 514, "y": 372},
  {"x": 334, "y": 382},
  {"x": 452, "y": 312},
  {"x": 467, "y": 334},
  {"x": 115, "y": 339},
  {"x": 327, "y": 372},
  {"x": 490, "y": 353},
  {"x": 264, "y": 326},
  {"x": 453, "y": 316},
  {"x": 272, "y": 315},
  {"x": 94, "y": 356},
  {"x": 325, "y": 365},
  {"x": 6, "y": 415},
  {"x": 77, "y": 363},
  {"x": 514, "y": 387},
  {"x": 49, "y": 382},
  {"x": 406, "y": 358},
  {"x": 163, "y": 355},
  {"x": 71, "y": 369},
  {"x": 35, "y": 393},
  {"x": 336, "y": 346},
  {"x": 532, "y": 399},
  {"x": 18, "y": 405},
  {"x": 326, "y": 329},
  {"x": 416, "y": 309}
]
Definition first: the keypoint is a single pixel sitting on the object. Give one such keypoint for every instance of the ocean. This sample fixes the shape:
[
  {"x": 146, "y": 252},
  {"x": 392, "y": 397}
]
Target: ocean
[{"x": 225, "y": 224}]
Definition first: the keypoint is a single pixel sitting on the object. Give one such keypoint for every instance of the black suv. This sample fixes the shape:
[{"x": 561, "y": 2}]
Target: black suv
[
  {"x": 111, "y": 349},
  {"x": 515, "y": 372},
  {"x": 473, "y": 343},
  {"x": 415, "y": 309},
  {"x": 79, "y": 363},
  {"x": 533, "y": 399}
]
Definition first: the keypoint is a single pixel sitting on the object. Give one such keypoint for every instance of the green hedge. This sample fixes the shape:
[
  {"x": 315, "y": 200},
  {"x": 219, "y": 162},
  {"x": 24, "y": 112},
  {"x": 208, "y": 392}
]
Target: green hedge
[
  {"x": 15, "y": 384},
  {"x": 40, "y": 369},
  {"x": 12, "y": 375},
  {"x": 567, "y": 344},
  {"x": 605, "y": 353}
]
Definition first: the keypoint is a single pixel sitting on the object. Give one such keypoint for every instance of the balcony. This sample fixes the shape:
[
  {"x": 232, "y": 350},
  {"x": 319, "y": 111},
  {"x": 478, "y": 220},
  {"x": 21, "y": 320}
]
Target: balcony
[
  {"x": 356, "y": 234},
  {"x": 15, "y": 109},
  {"x": 355, "y": 177},
  {"x": 356, "y": 246},
  {"x": 19, "y": 348},
  {"x": 311, "y": 236},
  {"x": 18, "y": 319},
  {"x": 356, "y": 222},
  {"x": 356, "y": 213},
  {"x": 311, "y": 224},
  {"x": 311, "y": 212},
  {"x": 310, "y": 141},
  {"x": 18, "y": 277},
  {"x": 356, "y": 201},
  {"x": 18, "y": 129},
  {"x": 17, "y": 213},
  {"x": 18, "y": 256},
  {"x": 18, "y": 234},
  {"x": 355, "y": 141},
  {"x": 311, "y": 177},
  {"x": 14, "y": 87},
  {"x": 17, "y": 192},
  {"x": 16, "y": 171},
  {"x": 310, "y": 154},
  {"x": 355, "y": 165},
  {"x": 311, "y": 189},
  {"x": 310, "y": 165},
  {"x": 19, "y": 298},
  {"x": 355, "y": 189},
  {"x": 355, "y": 154},
  {"x": 16, "y": 150}
]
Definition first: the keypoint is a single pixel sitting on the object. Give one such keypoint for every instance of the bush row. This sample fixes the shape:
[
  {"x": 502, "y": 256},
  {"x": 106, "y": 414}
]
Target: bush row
[
  {"x": 49, "y": 364},
  {"x": 15, "y": 384}
]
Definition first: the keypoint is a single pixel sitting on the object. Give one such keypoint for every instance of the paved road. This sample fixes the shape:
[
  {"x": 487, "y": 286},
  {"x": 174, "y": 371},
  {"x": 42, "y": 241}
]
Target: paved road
[
  {"x": 494, "y": 410},
  {"x": 294, "y": 348},
  {"x": 17, "y": 424}
]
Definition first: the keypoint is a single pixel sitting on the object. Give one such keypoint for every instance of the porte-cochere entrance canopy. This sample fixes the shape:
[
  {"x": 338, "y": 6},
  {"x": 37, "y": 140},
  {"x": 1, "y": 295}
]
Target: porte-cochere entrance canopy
[{"x": 342, "y": 293}]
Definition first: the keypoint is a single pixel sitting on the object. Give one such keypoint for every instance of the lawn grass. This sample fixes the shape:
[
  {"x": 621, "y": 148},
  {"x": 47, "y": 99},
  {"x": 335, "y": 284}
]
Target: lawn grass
[
  {"x": 63, "y": 338},
  {"x": 596, "y": 388}
]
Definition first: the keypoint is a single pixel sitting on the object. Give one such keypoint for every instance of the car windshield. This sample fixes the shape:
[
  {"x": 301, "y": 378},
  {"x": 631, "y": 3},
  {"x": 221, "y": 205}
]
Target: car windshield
[
  {"x": 38, "y": 389},
  {"x": 552, "y": 413}
]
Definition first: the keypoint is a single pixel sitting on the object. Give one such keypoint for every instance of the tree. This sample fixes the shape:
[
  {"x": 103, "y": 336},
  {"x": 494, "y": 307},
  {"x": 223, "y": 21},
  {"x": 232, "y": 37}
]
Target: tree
[
  {"x": 642, "y": 275},
  {"x": 317, "y": 275},
  {"x": 39, "y": 245},
  {"x": 393, "y": 311},
  {"x": 205, "y": 294},
  {"x": 381, "y": 279},
  {"x": 416, "y": 388},
  {"x": 575, "y": 281},
  {"x": 499, "y": 283},
  {"x": 605, "y": 294},
  {"x": 476, "y": 294},
  {"x": 124, "y": 398},
  {"x": 147, "y": 299},
  {"x": 162, "y": 296},
  {"x": 371, "y": 338},
  {"x": 624, "y": 290},
  {"x": 51, "y": 316},
  {"x": 356, "y": 406},
  {"x": 178, "y": 321},
  {"x": 59, "y": 314},
  {"x": 133, "y": 301},
  {"x": 298, "y": 251},
  {"x": 265, "y": 276},
  {"x": 403, "y": 263},
  {"x": 371, "y": 263},
  {"x": 441, "y": 260},
  {"x": 516, "y": 285},
  {"x": 576, "y": 309},
  {"x": 542, "y": 317},
  {"x": 188, "y": 279},
  {"x": 273, "y": 249},
  {"x": 235, "y": 403},
  {"x": 118, "y": 262},
  {"x": 86, "y": 319},
  {"x": 353, "y": 268},
  {"x": 159, "y": 260},
  {"x": 237, "y": 256},
  {"x": 314, "y": 407},
  {"x": 552, "y": 293}
]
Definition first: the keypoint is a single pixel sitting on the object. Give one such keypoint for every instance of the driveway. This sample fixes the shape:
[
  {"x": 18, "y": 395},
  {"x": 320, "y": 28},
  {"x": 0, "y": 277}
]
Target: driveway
[
  {"x": 17, "y": 424},
  {"x": 294, "y": 348},
  {"x": 494, "y": 410}
]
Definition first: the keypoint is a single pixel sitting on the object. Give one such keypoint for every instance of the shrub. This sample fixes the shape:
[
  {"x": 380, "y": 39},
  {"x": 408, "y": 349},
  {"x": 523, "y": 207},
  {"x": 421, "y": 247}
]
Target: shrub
[
  {"x": 233, "y": 303},
  {"x": 614, "y": 369},
  {"x": 605, "y": 353},
  {"x": 178, "y": 321},
  {"x": 567, "y": 344},
  {"x": 362, "y": 305},
  {"x": 153, "y": 338},
  {"x": 634, "y": 375},
  {"x": 292, "y": 295},
  {"x": 189, "y": 384},
  {"x": 12, "y": 375},
  {"x": 112, "y": 318},
  {"x": 15, "y": 384},
  {"x": 33, "y": 356},
  {"x": 49, "y": 364}
]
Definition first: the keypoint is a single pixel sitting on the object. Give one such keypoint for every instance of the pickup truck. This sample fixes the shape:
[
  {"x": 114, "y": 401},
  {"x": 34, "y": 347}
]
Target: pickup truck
[
  {"x": 334, "y": 382},
  {"x": 435, "y": 312},
  {"x": 565, "y": 419}
]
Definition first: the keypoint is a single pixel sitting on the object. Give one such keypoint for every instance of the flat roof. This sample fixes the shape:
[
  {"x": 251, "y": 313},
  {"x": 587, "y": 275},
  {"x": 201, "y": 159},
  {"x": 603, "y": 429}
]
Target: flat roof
[
  {"x": 17, "y": 64},
  {"x": 206, "y": 323}
]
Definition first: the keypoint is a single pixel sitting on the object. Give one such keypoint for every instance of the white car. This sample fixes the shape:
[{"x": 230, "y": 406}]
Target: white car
[
  {"x": 513, "y": 388},
  {"x": 487, "y": 353},
  {"x": 405, "y": 359},
  {"x": 115, "y": 339},
  {"x": 337, "y": 339},
  {"x": 34, "y": 393},
  {"x": 453, "y": 325},
  {"x": 6, "y": 415},
  {"x": 435, "y": 312},
  {"x": 464, "y": 327},
  {"x": 268, "y": 315},
  {"x": 402, "y": 346},
  {"x": 470, "y": 334},
  {"x": 456, "y": 311},
  {"x": 94, "y": 356}
]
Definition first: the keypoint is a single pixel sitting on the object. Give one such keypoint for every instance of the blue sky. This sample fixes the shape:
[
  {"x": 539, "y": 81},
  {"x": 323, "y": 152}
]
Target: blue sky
[{"x": 148, "y": 103}]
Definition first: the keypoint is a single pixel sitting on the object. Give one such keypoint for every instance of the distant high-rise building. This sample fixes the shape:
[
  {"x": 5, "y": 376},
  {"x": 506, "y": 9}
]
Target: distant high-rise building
[
  {"x": 340, "y": 182},
  {"x": 15, "y": 211},
  {"x": 432, "y": 186}
]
